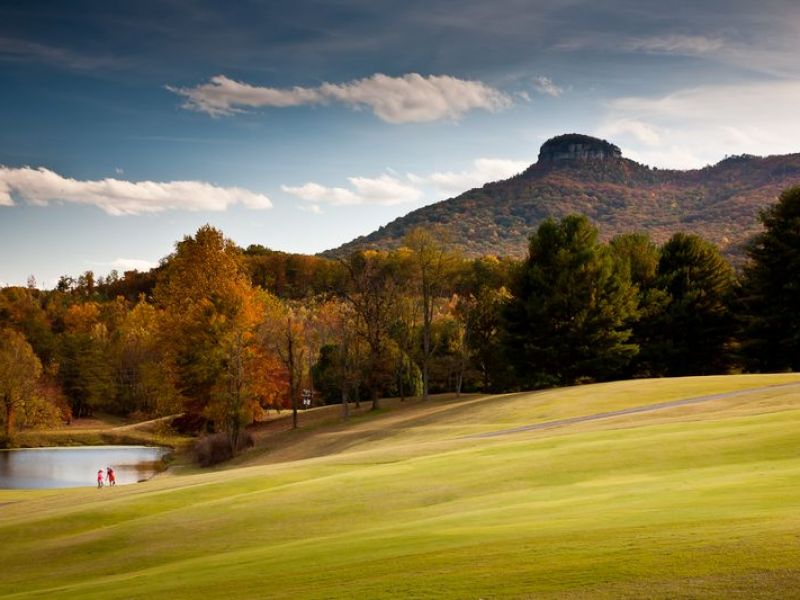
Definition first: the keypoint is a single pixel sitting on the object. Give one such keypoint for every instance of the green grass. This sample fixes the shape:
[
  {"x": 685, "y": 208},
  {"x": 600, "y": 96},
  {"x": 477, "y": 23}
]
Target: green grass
[{"x": 695, "y": 501}]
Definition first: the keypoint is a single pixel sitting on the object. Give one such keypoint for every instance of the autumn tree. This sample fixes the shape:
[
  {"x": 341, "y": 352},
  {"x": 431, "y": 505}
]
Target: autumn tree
[
  {"x": 24, "y": 310},
  {"x": 481, "y": 315},
  {"x": 486, "y": 272},
  {"x": 336, "y": 374},
  {"x": 147, "y": 379},
  {"x": 431, "y": 265},
  {"x": 451, "y": 336},
  {"x": 404, "y": 333},
  {"x": 208, "y": 303},
  {"x": 285, "y": 329},
  {"x": 20, "y": 370},
  {"x": 373, "y": 288},
  {"x": 234, "y": 395},
  {"x": 86, "y": 370}
]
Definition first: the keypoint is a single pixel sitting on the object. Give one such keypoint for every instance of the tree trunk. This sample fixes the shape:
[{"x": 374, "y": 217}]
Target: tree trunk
[
  {"x": 10, "y": 418},
  {"x": 292, "y": 371},
  {"x": 375, "y": 399},
  {"x": 293, "y": 398},
  {"x": 425, "y": 377},
  {"x": 400, "y": 378},
  {"x": 345, "y": 404},
  {"x": 426, "y": 342},
  {"x": 294, "y": 406}
]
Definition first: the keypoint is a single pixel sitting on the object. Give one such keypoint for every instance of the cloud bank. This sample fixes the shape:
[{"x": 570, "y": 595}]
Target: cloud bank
[
  {"x": 698, "y": 126},
  {"x": 41, "y": 187},
  {"x": 411, "y": 98},
  {"x": 133, "y": 264},
  {"x": 674, "y": 44},
  {"x": 483, "y": 170},
  {"x": 391, "y": 189},
  {"x": 385, "y": 190}
]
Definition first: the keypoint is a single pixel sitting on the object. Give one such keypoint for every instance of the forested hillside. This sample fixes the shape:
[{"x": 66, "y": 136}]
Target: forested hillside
[{"x": 582, "y": 175}]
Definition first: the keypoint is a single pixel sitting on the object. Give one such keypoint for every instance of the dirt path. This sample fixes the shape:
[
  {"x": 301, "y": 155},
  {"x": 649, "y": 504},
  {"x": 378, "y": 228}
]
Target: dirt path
[
  {"x": 145, "y": 424},
  {"x": 630, "y": 411}
]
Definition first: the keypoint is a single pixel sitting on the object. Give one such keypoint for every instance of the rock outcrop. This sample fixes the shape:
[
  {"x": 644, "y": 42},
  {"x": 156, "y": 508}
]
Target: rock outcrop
[{"x": 575, "y": 147}]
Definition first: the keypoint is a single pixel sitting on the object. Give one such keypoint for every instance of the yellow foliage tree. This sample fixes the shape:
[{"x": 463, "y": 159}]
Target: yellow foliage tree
[
  {"x": 210, "y": 312},
  {"x": 20, "y": 370}
]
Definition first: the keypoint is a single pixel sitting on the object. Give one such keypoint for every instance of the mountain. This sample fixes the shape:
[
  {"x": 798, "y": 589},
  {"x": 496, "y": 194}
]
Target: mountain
[{"x": 581, "y": 174}]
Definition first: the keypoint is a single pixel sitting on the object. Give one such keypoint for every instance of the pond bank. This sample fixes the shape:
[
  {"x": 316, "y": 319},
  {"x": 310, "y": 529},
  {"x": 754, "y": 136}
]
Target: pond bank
[{"x": 97, "y": 432}]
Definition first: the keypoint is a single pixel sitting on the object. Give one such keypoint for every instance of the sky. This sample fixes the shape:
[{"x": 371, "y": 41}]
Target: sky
[{"x": 125, "y": 126}]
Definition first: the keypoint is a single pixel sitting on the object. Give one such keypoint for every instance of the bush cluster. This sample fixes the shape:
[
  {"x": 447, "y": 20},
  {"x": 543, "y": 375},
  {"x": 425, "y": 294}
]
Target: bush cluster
[{"x": 216, "y": 448}]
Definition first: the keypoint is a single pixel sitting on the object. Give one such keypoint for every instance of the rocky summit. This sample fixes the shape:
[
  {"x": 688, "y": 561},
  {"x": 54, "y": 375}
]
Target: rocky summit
[{"x": 577, "y": 147}]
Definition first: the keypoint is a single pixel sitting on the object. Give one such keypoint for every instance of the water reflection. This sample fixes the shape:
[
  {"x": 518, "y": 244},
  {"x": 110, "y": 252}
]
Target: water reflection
[{"x": 77, "y": 467}]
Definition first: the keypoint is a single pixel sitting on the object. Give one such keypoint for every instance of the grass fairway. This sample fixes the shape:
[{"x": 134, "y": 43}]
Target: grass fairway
[{"x": 700, "y": 500}]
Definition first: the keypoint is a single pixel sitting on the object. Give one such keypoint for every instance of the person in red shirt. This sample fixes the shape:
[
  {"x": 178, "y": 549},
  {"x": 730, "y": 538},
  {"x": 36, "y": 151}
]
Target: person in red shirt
[{"x": 112, "y": 479}]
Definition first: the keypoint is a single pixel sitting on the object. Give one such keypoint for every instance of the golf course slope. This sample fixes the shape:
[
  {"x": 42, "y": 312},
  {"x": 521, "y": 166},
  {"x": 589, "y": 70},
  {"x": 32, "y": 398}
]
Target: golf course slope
[{"x": 531, "y": 495}]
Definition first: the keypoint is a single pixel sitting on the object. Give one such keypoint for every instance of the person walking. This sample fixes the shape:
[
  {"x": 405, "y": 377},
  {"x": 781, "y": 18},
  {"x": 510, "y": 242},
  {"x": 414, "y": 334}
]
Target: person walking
[
  {"x": 99, "y": 478},
  {"x": 112, "y": 479}
]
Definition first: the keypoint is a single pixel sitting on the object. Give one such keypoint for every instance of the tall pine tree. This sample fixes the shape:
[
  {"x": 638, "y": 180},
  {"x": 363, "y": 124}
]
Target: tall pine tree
[
  {"x": 692, "y": 332},
  {"x": 772, "y": 288},
  {"x": 571, "y": 306}
]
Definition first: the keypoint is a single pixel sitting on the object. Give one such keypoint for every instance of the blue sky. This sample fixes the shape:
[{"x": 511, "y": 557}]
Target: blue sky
[{"x": 126, "y": 125}]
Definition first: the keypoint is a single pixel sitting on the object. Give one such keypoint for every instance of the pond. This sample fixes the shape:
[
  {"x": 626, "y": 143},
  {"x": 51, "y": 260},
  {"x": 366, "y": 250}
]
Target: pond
[{"x": 77, "y": 466}]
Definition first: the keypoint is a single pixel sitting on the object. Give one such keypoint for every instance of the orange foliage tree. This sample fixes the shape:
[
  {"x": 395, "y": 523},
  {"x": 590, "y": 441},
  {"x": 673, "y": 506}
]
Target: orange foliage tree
[{"x": 211, "y": 311}]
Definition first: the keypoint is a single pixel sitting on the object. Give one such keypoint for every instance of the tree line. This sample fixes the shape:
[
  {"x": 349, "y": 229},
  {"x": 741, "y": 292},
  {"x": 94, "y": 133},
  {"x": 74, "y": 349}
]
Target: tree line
[{"x": 220, "y": 334}]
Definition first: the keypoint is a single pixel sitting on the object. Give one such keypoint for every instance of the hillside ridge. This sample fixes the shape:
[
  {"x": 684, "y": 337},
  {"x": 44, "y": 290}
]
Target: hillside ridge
[{"x": 577, "y": 173}]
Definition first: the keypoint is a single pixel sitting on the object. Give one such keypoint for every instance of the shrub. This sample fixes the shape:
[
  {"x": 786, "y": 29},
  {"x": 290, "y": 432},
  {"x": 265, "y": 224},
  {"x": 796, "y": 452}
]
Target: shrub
[
  {"x": 216, "y": 448},
  {"x": 189, "y": 424}
]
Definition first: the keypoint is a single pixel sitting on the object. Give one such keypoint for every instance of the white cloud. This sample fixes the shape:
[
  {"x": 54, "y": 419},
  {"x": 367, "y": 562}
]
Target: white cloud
[
  {"x": 411, "y": 98},
  {"x": 699, "y": 126},
  {"x": 41, "y": 187},
  {"x": 384, "y": 190},
  {"x": 483, "y": 170},
  {"x": 544, "y": 85},
  {"x": 133, "y": 264},
  {"x": 314, "y": 209},
  {"x": 314, "y": 192},
  {"x": 674, "y": 44},
  {"x": 645, "y": 133},
  {"x": 391, "y": 189}
]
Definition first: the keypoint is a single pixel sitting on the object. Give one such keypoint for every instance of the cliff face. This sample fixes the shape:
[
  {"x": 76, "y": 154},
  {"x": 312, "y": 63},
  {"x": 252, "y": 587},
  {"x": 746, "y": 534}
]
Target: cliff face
[
  {"x": 577, "y": 147},
  {"x": 585, "y": 175}
]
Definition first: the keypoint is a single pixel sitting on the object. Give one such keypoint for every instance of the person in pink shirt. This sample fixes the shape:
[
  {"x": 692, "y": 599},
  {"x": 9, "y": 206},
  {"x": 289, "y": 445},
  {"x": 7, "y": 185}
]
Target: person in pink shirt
[{"x": 100, "y": 478}]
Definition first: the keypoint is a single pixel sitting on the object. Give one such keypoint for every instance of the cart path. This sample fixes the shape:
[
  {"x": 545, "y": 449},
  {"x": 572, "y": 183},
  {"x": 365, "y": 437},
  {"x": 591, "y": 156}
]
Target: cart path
[
  {"x": 631, "y": 411},
  {"x": 132, "y": 426}
]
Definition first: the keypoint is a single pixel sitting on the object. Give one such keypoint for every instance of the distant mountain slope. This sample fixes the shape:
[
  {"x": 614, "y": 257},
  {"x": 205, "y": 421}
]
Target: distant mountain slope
[{"x": 581, "y": 174}]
